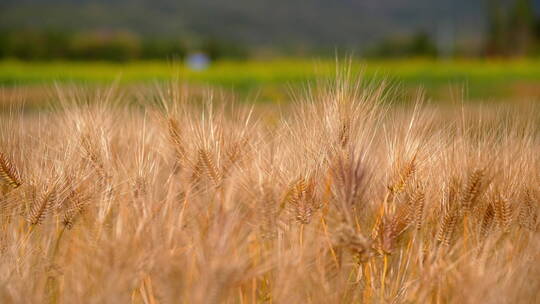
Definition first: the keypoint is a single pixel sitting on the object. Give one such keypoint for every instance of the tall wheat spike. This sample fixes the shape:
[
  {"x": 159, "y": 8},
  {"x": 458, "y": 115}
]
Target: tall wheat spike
[
  {"x": 75, "y": 206},
  {"x": 8, "y": 172},
  {"x": 293, "y": 195},
  {"x": 234, "y": 155},
  {"x": 528, "y": 212},
  {"x": 404, "y": 176},
  {"x": 472, "y": 190},
  {"x": 94, "y": 157},
  {"x": 448, "y": 226},
  {"x": 198, "y": 170},
  {"x": 487, "y": 221},
  {"x": 303, "y": 206},
  {"x": 344, "y": 133},
  {"x": 175, "y": 136},
  {"x": 41, "y": 207},
  {"x": 387, "y": 234},
  {"x": 503, "y": 212},
  {"x": 418, "y": 201},
  {"x": 209, "y": 166}
]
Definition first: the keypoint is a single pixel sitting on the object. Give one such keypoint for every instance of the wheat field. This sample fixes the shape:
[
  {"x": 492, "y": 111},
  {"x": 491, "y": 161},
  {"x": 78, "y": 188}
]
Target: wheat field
[{"x": 346, "y": 195}]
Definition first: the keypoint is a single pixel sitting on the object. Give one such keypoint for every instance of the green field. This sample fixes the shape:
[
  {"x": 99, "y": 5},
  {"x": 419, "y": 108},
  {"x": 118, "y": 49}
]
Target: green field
[{"x": 475, "y": 79}]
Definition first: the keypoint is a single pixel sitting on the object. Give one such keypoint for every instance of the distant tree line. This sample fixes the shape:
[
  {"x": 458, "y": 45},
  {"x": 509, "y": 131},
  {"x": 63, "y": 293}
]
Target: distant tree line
[
  {"x": 106, "y": 45},
  {"x": 513, "y": 29},
  {"x": 416, "y": 45}
]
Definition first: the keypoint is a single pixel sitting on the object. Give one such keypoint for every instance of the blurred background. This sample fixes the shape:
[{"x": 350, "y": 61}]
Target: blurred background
[{"x": 483, "y": 49}]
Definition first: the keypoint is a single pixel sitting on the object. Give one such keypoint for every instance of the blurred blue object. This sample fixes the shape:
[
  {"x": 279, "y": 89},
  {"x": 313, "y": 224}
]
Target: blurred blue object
[{"x": 198, "y": 61}]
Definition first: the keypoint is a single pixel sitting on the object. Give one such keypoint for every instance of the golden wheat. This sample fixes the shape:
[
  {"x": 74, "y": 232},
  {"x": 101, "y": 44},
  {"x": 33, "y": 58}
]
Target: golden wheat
[{"x": 326, "y": 200}]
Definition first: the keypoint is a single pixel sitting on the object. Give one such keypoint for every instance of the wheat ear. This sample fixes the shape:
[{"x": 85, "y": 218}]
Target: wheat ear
[
  {"x": 487, "y": 221},
  {"x": 209, "y": 166},
  {"x": 175, "y": 136},
  {"x": 503, "y": 212},
  {"x": 403, "y": 179},
  {"x": 472, "y": 190},
  {"x": 448, "y": 226},
  {"x": 40, "y": 208},
  {"x": 528, "y": 213},
  {"x": 76, "y": 205},
  {"x": 8, "y": 172}
]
